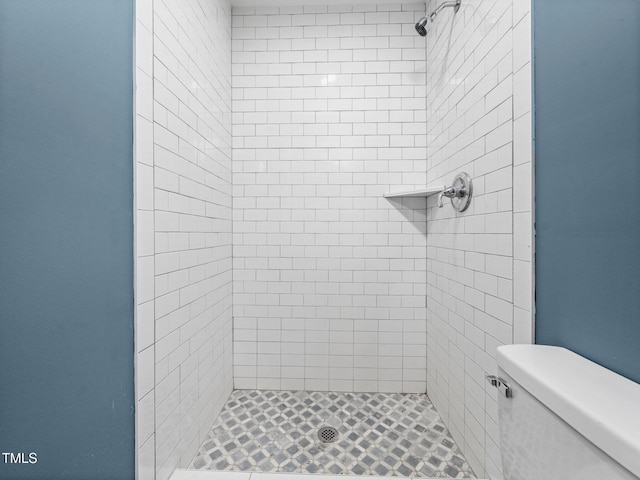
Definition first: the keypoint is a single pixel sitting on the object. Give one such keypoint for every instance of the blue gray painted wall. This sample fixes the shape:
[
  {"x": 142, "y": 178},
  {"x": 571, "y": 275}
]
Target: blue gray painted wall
[
  {"x": 66, "y": 238},
  {"x": 587, "y": 127}
]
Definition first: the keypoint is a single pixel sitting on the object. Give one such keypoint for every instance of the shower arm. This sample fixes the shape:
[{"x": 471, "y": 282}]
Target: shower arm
[{"x": 455, "y": 4}]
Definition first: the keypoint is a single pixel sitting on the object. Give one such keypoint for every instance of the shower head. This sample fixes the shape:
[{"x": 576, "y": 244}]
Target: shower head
[{"x": 421, "y": 26}]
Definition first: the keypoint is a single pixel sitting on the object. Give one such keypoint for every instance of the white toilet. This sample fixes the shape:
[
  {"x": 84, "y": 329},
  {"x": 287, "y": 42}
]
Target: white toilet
[{"x": 564, "y": 417}]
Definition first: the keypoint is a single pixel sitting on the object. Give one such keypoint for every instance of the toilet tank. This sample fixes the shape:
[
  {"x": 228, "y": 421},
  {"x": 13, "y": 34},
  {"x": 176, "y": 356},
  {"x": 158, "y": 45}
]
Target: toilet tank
[{"x": 564, "y": 417}]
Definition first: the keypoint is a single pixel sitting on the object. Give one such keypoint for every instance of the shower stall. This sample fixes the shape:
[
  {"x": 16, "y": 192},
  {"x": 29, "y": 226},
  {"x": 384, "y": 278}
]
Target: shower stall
[{"x": 289, "y": 317}]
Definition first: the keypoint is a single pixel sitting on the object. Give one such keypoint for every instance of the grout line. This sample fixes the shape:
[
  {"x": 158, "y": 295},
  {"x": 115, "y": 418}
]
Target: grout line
[{"x": 153, "y": 190}]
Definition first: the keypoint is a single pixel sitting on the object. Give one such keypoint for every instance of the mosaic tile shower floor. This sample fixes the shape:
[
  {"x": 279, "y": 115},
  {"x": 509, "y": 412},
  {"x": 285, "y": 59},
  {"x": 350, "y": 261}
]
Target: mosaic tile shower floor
[{"x": 379, "y": 434}]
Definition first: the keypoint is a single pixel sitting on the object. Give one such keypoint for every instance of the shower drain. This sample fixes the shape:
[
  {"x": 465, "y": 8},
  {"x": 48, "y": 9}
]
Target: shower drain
[{"x": 327, "y": 434}]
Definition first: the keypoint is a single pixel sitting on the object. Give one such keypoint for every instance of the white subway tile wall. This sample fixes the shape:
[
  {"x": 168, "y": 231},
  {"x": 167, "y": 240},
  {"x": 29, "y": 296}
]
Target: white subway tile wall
[
  {"x": 183, "y": 227},
  {"x": 479, "y": 262},
  {"x": 329, "y": 277}
]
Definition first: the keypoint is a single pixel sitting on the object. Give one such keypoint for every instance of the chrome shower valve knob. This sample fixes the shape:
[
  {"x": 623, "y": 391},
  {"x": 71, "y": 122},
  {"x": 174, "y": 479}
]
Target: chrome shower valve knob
[
  {"x": 459, "y": 193},
  {"x": 449, "y": 192}
]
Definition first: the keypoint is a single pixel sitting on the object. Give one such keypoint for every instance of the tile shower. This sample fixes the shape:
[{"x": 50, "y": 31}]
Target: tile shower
[{"x": 265, "y": 139}]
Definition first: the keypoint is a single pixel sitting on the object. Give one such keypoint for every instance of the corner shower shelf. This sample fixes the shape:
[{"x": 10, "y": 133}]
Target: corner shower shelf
[{"x": 422, "y": 192}]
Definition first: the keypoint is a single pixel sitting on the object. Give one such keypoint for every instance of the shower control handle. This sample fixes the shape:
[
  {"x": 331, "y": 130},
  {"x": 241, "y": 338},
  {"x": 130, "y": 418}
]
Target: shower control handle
[
  {"x": 450, "y": 192},
  {"x": 459, "y": 192}
]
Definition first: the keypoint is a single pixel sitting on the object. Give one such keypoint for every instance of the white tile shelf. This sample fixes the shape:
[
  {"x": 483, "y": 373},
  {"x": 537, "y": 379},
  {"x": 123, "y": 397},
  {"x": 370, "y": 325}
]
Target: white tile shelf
[{"x": 422, "y": 192}]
